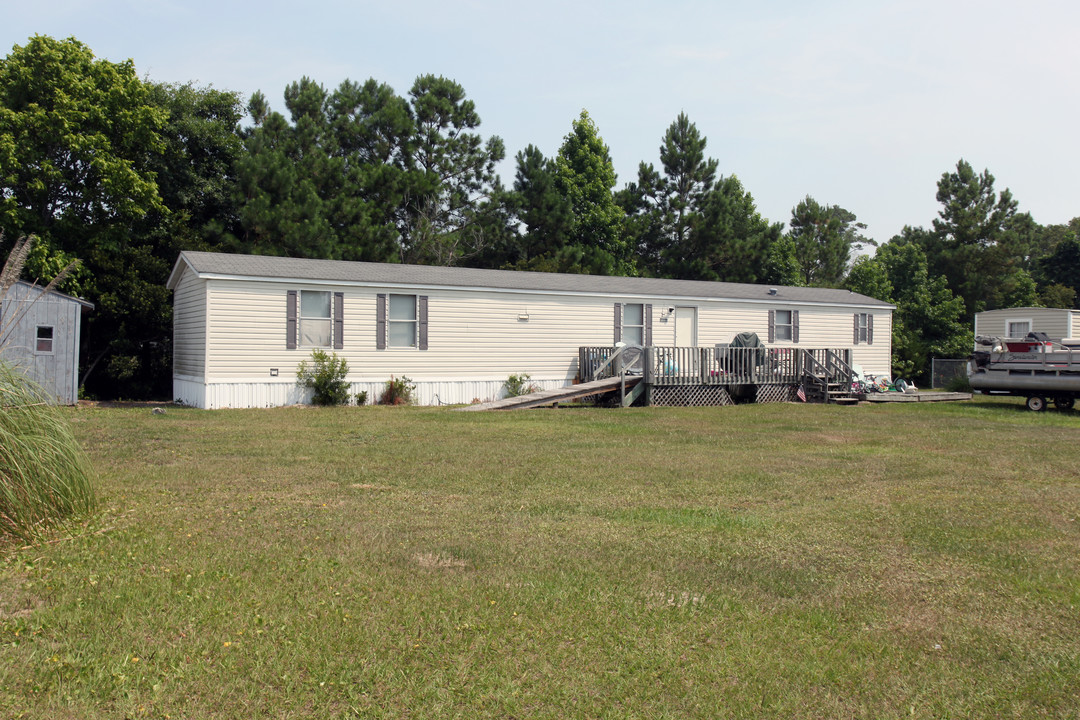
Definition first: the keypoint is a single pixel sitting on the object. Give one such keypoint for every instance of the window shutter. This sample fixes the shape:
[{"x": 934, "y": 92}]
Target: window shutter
[
  {"x": 772, "y": 326},
  {"x": 856, "y": 340},
  {"x": 421, "y": 316},
  {"x": 648, "y": 325},
  {"x": 380, "y": 321},
  {"x": 618, "y": 322},
  {"x": 290, "y": 320},
  {"x": 339, "y": 320},
  {"x": 869, "y": 328},
  {"x": 794, "y": 326}
]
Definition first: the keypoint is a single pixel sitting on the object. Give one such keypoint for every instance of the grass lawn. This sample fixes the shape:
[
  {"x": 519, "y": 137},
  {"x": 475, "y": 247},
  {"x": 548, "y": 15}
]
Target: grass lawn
[{"x": 915, "y": 560}]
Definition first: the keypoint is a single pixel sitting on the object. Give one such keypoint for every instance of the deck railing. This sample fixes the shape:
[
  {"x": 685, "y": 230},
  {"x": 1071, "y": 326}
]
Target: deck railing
[{"x": 717, "y": 365}]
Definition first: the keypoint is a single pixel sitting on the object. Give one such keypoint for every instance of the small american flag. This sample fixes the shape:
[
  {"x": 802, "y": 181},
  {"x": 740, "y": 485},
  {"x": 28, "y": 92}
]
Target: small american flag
[{"x": 801, "y": 394}]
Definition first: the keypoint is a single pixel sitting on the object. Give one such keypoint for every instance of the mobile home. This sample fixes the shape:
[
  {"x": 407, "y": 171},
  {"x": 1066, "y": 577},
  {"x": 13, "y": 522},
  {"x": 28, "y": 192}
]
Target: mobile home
[{"x": 243, "y": 323}]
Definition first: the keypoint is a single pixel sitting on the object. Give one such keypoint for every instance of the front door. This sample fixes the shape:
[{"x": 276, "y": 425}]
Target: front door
[{"x": 686, "y": 327}]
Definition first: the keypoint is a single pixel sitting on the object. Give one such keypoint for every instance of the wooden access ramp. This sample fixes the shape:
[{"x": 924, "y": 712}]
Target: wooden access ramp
[{"x": 563, "y": 394}]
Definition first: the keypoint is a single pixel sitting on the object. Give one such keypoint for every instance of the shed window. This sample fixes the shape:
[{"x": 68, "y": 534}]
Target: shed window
[
  {"x": 1018, "y": 328},
  {"x": 315, "y": 326},
  {"x": 44, "y": 343}
]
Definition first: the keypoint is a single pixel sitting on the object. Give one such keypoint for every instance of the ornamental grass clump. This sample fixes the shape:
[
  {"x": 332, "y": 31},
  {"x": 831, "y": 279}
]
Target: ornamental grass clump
[{"x": 45, "y": 477}]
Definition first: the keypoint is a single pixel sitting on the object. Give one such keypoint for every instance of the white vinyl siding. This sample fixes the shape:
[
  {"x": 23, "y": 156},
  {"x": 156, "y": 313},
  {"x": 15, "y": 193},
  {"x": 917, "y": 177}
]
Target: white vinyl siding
[
  {"x": 479, "y": 334},
  {"x": 475, "y": 337},
  {"x": 189, "y": 327},
  {"x": 1058, "y": 323}
]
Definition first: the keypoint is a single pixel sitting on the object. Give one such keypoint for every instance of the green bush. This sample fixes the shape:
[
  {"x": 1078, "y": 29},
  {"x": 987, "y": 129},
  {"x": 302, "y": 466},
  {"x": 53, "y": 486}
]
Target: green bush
[
  {"x": 44, "y": 475},
  {"x": 960, "y": 383},
  {"x": 398, "y": 391},
  {"x": 326, "y": 376},
  {"x": 516, "y": 385},
  {"x": 361, "y": 397}
]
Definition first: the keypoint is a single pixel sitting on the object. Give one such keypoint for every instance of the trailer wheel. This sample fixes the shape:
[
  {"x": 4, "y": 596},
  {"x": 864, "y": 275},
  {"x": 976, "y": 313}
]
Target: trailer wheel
[
  {"x": 1036, "y": 403},
  {"x": 1064, "y": 402}
]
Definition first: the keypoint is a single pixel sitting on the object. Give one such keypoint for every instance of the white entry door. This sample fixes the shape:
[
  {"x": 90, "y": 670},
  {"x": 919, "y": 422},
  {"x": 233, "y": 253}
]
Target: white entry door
[{"x": 686, "y": 327}]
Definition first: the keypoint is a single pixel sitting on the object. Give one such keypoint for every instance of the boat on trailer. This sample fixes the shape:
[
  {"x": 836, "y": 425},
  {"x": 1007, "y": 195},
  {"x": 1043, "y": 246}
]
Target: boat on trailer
[{"x": 1034, "y": 367}]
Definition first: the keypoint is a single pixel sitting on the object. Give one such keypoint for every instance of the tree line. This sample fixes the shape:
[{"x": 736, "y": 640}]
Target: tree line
[{"x": 123, "y": 173}]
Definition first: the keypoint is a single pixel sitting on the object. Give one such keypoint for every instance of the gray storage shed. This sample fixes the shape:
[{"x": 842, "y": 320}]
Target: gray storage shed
[{"x": 39, "y": 335}]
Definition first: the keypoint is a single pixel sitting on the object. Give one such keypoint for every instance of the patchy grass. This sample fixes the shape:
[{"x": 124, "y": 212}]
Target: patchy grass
[{"x": 772, "y": 560}]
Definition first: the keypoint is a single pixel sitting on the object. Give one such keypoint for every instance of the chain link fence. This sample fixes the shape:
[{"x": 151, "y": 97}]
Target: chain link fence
[{"x": 943, "y": 371}]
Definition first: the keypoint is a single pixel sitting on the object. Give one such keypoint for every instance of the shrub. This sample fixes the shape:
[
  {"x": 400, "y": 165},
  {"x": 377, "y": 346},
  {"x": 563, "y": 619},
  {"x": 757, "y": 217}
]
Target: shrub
[
  {"x": 519, "y": 385},
  {"x": 960, "y": 383},
  {"x": 44, "y": 475},
  {"x": 326, "y": 376},
  {"x": 361, "y": 397},
  {"x": 397, "y": 392}
]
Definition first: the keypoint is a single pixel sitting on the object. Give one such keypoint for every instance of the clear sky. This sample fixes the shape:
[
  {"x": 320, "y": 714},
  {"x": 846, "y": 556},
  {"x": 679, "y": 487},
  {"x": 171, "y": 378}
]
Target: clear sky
[{"x": 857, "y": 103}]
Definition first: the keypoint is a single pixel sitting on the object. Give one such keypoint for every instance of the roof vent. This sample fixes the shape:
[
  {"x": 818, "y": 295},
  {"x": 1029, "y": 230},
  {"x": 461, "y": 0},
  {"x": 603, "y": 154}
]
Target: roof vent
[{"x": 772, "y": 291}]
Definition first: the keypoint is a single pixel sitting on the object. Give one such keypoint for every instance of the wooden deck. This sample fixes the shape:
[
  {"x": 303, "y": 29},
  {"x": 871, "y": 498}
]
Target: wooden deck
[{"x": 920, "y": 396}]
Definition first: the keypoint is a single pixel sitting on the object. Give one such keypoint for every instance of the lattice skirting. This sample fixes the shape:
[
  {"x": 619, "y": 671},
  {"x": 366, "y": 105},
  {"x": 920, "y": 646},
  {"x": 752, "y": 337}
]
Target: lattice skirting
[
  {"x": 776, "y": 393},
  {"x": 717, "y": 395},
  {"x": 691, "y": 396}
]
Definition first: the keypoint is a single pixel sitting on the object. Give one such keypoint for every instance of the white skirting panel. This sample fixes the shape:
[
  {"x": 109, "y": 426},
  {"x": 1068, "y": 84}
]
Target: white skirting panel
[{"x": 263, "y": 394}]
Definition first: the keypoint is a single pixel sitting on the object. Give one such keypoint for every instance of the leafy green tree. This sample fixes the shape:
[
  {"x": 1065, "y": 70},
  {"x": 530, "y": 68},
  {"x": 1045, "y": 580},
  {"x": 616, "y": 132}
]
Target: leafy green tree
[
  {"x": 929, "y": 320},
  {"x": 83, "y": 145},
  {"x": 1061, "y": 273},
  {"x": 328, "y": 181},
  {"x": 75, "y": 133},
  {"x": 440, "y": 221},
  {"x": 869, "y": 277},
  {"x": 541, "y": 208},
  {"x": 782, "y": 264},
  {"x": 825, "y": 237},
  {"x": 664, "y": 210},
  {"x": 585, "y": 175},
  {"x": 980, "y": 243},
  {"x": 732, "y": 242}
]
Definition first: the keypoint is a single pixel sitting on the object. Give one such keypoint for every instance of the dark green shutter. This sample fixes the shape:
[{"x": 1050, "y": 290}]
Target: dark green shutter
[
  {"x": 794, "y": 326},
  {"x": 856, "y": 340},
  {"x": 618, "y": 322},
  {"x": 772, "y": 326},
  {"x": 648, "y": 326},
  {"x": 869, "y": 329}
]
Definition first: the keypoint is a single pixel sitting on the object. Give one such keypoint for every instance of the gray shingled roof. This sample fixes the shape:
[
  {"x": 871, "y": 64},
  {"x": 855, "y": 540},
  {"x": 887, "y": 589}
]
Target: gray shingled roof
[{"x": 283, "y": 268}]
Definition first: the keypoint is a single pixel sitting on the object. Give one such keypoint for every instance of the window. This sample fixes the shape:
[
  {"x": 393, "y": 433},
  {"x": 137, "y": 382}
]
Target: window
[
  {"x": 403, "y": 321},
  {"x": 784, "y": 326},
  {"x": 1017, "y": 328},
  {"x": 44, "y": 342},
  {"x": 633, "y": 324},
  {"x": 311, "y": 320},
  {"x": 315, "y": 325},
  {"x": 864, "y": 328}
]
